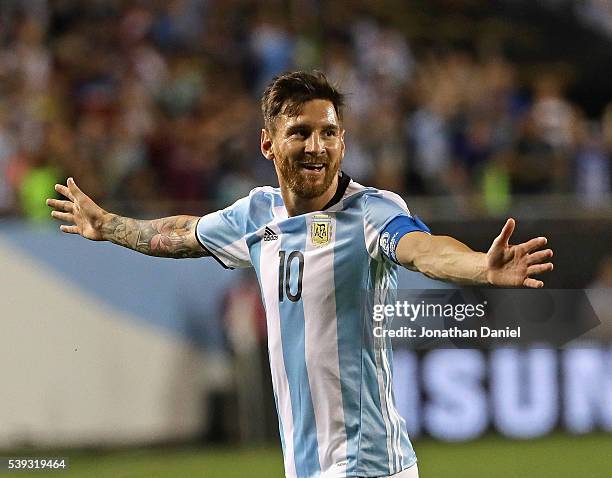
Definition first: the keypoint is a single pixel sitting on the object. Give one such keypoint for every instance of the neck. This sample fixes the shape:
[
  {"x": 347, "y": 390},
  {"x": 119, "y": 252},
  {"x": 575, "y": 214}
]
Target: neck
[{"x": 297, "y": 205}]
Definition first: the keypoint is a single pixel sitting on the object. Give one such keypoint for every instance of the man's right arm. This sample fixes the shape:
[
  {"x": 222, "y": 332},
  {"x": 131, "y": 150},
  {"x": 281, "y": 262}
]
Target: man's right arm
[{"x": 173, "y": 237}]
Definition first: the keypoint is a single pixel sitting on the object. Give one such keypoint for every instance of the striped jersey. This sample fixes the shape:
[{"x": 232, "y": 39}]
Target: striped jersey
[{"x": 332, "y": 381}]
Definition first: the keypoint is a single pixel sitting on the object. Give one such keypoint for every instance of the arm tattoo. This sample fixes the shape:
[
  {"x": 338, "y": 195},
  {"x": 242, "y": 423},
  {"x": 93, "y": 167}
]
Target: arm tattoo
[{"x": 167, "y": 237}]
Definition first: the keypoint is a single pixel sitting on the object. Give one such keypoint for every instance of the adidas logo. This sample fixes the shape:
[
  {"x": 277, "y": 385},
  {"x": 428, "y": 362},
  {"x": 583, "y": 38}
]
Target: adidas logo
[{"x": 269, "y": 235}]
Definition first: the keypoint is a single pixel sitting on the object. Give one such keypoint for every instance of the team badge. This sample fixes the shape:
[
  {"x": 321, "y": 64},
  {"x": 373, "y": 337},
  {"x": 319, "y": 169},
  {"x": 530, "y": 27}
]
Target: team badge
[
  {"x": 384, "y": 242},
  {"x": 320, "y": 230}
]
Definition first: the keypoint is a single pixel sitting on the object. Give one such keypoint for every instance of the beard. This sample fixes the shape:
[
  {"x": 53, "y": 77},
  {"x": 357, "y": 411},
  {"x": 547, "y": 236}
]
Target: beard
[{"x": 304, "y": 185}]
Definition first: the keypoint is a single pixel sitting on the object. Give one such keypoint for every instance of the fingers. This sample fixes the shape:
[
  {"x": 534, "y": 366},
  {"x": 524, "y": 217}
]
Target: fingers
[
  {"x": 539, "y": 268},
  {"x": 63, "y": 216},
  {"x": 506, "y": 232},
  {"x": 74, "y": 189},
  {"x": 539, "y": 256},
  {"x": 63, "y": 210},
  {"x": 533, "y": 283},
  {"x": 535, "y": 243},
  {"x": 64, "y": 191},
  {"x": 69, "y": 229},
  {"x": 71, "y": 190},
  {"x": 58, "y": 205},
  {"x": 536, "y": 263}
]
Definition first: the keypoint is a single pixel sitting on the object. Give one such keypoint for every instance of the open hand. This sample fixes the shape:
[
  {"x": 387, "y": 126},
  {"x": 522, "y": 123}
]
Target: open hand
[
  {"x": 513, "y": 265},
  {"x": 83, "y": 216}
]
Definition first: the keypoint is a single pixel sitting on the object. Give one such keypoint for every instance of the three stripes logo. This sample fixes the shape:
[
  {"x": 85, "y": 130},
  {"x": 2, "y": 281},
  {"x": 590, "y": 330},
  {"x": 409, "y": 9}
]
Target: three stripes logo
[{"x": 269, "y": 235}]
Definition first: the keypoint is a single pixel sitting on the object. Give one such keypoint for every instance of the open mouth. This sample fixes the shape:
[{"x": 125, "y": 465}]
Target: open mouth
[{"x": 313, "y": 166}]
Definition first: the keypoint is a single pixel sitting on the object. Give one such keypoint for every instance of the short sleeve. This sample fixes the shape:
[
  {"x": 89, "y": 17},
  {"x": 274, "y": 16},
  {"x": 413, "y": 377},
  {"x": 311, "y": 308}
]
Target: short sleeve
[
  {"x": 222, "y": 234},
  {"x": 381, "y": 208}
]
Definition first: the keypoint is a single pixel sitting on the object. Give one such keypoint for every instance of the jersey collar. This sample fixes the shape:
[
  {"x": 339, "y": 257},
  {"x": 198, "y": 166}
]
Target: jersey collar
[{"x": 343, "y": 182}]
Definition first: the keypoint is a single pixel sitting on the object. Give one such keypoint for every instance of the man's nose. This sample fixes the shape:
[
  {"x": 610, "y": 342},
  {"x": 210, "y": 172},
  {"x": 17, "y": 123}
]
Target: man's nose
[{"x": 314, "y": 144}]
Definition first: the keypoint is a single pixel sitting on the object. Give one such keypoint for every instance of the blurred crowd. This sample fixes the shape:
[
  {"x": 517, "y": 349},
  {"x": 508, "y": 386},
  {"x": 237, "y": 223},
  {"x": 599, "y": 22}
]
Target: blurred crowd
[{"x": 153, "y": 106}]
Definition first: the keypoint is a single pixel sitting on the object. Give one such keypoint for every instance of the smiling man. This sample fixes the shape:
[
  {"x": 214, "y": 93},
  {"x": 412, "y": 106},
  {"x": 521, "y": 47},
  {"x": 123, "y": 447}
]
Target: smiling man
[{"x": 316, "y": 243}]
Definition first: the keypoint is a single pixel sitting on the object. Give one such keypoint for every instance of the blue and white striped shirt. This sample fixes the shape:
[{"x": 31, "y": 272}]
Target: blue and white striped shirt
[{"x": 332, "y": 381}]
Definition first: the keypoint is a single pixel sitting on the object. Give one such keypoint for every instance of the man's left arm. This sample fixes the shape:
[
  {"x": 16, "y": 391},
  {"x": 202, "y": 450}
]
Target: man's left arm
[{"x": 504, "y": 265}]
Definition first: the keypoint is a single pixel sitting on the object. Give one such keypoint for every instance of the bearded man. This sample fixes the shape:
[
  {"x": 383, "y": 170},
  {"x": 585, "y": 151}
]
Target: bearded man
[{"x": 316, "y": 243}]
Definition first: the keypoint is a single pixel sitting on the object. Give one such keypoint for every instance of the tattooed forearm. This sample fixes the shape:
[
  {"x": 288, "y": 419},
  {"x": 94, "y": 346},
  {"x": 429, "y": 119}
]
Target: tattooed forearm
[{"x": 167, "y": 237}]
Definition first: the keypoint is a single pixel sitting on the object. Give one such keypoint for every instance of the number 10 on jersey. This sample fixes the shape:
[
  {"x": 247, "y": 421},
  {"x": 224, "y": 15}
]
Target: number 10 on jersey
[{"x": 284, "y": 275}]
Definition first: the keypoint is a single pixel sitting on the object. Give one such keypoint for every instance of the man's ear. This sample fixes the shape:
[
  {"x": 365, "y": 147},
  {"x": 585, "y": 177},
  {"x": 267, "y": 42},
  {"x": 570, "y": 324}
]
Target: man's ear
[
  {"x": 342, "y": 142},
  {"x": 266, "y": 144}
]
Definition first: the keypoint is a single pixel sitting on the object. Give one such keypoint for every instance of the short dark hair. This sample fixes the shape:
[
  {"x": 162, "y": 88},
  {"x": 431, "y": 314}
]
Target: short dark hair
[{"x": 287, "y": 93}]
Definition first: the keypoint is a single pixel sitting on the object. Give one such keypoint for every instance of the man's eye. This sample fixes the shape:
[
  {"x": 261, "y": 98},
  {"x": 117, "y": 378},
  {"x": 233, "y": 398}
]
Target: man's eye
[{"x": 330, "y": 132}]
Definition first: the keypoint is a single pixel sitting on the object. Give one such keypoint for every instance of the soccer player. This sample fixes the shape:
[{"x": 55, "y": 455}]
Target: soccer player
[{"x": 316, "y": 243}]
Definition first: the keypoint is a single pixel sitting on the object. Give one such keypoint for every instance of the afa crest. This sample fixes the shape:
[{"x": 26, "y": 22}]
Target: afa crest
[{"x": 320, "y": 230}]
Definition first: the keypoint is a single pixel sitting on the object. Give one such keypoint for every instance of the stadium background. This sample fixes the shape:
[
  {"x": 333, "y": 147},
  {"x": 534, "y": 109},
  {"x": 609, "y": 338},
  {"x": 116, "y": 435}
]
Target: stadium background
[{"x": 471, "y": 110}]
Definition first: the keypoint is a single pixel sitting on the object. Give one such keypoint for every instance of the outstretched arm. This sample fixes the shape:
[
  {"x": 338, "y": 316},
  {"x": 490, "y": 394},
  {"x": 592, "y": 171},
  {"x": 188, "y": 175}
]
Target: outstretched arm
[
  {"x": 504, "y": 265},
  {"x": 167, "y": 237}
]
